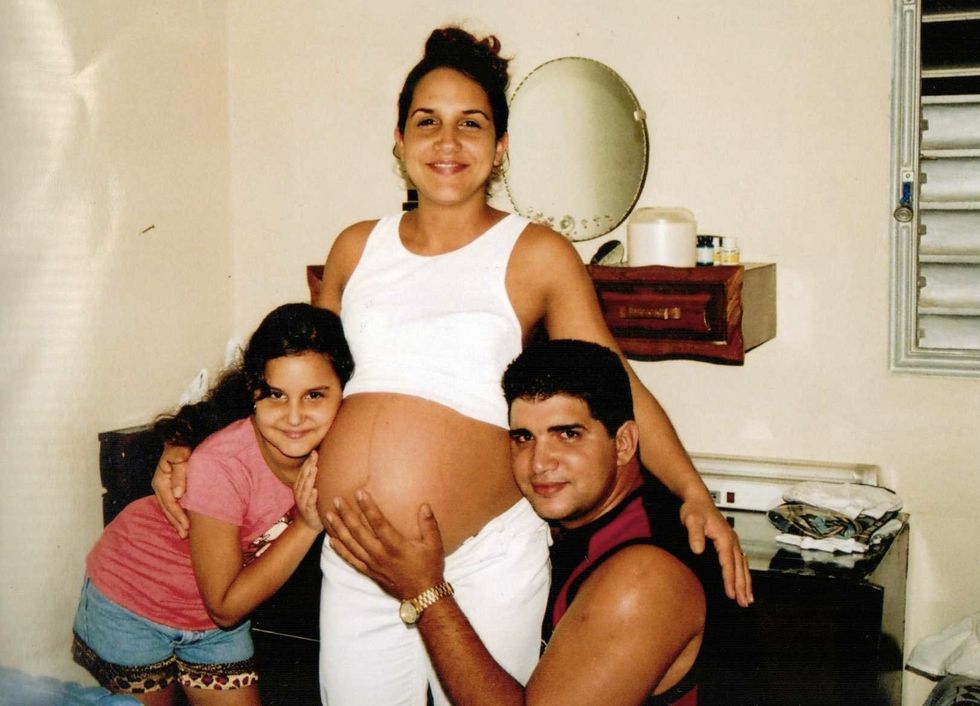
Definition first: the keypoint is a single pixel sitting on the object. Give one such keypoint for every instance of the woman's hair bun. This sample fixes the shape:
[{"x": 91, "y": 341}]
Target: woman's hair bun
[
  {"x": 479, "y": 59},
  {"x": 454, "y": 45}
]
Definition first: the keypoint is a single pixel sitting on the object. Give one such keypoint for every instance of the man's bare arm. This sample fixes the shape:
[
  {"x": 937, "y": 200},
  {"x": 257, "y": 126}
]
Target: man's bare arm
[
  {"x": 634, "y": 628},
  {"x": 405, "y": 567},
  {"x": 636, "y": 623}
]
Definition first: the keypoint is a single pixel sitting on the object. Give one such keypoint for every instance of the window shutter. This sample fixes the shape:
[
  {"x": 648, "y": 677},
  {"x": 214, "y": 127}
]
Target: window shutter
[{"x": 936, "y": 249}]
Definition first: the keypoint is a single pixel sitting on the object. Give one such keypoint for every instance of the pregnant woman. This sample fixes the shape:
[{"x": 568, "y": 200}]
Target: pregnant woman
[{"x": 435, "y": 304}]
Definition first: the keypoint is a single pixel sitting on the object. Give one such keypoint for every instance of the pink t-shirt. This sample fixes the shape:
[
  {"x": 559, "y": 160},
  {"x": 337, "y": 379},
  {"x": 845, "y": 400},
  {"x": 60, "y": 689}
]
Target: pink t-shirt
[{"x": 141, "y": 564}]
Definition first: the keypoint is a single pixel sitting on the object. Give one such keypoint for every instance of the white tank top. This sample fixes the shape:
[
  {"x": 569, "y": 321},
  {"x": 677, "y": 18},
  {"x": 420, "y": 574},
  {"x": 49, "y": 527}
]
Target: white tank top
[{"x": 437, "y": 327}]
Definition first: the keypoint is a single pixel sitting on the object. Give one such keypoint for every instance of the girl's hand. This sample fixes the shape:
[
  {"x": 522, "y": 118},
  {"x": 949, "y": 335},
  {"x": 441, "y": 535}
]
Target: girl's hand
[{"x": 304, "y": 490}]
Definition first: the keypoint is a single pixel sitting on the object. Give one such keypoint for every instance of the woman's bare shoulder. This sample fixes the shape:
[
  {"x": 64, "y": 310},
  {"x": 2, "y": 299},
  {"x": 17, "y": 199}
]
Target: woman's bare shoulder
[
  {"x": 348, "y": 246},
  {"x": 353, "y": 236},
  {"x": 343, "y": 257},
  {"x": 540, "y": 244},
  {"x": 541, "y": 235}
]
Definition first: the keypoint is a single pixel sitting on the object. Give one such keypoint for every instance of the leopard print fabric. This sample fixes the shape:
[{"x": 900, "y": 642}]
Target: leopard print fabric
[
  {"x": 143, "y": 679},
  {"x": 122, "y": 679},
  {"x": 218, "y": 677}
]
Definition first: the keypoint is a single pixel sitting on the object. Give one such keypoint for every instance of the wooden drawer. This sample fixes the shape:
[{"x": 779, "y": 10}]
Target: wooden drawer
[{"x": 702, "y": 313}]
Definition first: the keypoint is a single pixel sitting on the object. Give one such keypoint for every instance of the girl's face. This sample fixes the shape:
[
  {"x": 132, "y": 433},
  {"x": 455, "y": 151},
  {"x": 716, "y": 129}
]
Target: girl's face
[
  {"x": 304, "y": 396},
  {"x": 449, "y": 146}
]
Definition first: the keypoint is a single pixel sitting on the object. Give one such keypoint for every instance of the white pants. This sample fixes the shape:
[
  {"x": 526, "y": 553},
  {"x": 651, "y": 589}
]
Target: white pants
[{"x": 368, "y": 657}]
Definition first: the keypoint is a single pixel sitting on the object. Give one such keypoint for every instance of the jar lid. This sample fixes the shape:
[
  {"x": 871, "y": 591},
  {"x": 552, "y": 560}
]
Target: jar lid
[{"x": 659, "y": 214}]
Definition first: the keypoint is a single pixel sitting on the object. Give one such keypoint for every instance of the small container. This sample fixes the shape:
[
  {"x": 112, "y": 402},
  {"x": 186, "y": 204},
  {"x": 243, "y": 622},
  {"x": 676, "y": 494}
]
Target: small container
[
  {"x": 729, "y": 251},
  {"x": 661, "y": 236},
  {"x": 706, "y": 250}
]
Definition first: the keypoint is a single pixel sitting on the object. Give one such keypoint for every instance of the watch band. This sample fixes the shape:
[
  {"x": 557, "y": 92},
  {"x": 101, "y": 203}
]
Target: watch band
[
  {"x": 411, "y": 608},
  {"x": 431, "y": 595}
]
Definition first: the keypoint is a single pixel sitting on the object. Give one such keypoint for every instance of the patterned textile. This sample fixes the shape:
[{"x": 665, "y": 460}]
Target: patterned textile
[
  {"x": 821, "y": 523},
  {"x": 955, "y": 691}
]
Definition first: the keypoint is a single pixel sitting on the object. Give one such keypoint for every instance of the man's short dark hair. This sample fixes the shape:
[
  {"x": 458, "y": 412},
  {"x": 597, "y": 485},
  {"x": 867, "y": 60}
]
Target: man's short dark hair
[{"x": 587, "y": 371}]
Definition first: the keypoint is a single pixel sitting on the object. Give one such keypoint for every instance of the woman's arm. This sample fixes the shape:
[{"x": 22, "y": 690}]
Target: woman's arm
[
  {"x": 551, "y": 284},
  {"x": 230, "y": 591},
  {"x": 169, "y": 482},
  {"x": 341, "y": 261}
]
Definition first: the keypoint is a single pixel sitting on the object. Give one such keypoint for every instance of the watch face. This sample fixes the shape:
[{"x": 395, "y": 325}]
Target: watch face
[{"x": 408, "y": 613}]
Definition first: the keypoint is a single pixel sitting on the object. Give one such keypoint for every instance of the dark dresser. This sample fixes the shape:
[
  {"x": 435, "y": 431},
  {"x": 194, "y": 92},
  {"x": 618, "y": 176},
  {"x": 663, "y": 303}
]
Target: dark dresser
[{"x": 825, "y": 629}]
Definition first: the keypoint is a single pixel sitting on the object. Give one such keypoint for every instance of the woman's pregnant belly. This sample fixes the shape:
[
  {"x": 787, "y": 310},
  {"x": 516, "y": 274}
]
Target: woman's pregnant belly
[{"x": 407, "y": 451}]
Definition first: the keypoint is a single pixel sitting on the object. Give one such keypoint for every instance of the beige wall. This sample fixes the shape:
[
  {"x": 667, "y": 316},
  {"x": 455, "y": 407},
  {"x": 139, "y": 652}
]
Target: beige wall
[
  {"x": 770, "y": 120},
  {"x": 116, "y": 270}
]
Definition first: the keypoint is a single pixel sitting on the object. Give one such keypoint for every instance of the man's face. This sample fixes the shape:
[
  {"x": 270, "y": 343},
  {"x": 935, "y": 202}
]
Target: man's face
[{"x": 563, "y": 459}]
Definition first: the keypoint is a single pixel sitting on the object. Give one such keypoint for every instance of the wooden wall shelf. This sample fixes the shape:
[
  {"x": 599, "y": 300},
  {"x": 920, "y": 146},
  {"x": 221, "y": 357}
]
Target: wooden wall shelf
[{"x": 714, "y": 314}]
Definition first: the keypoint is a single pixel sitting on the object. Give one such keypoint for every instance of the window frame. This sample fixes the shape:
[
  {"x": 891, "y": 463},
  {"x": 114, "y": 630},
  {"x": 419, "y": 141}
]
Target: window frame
[{"x": 906, "y": 355}]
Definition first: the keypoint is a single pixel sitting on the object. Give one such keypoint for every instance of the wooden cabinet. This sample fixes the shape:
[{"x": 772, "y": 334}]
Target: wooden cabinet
[
  {"x": 824, "y": 629},
  {"x": 714, "y": 313}
]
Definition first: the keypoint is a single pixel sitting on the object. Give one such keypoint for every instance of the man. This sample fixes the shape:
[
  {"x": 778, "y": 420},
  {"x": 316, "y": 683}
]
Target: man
[{"x": 626, "y": 616}]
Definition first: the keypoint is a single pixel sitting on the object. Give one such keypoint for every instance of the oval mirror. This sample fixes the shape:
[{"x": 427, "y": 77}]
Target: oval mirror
[{"x": 578, "y": 148}]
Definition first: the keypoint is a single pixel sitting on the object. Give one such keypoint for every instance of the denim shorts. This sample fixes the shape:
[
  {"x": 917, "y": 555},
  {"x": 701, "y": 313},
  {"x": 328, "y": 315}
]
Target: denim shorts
[{"x": 130, "y": 654}]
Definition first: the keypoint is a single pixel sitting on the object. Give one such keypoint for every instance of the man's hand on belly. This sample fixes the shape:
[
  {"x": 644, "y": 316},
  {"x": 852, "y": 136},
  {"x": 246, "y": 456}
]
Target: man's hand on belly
[{"x": 404, "y": 566}]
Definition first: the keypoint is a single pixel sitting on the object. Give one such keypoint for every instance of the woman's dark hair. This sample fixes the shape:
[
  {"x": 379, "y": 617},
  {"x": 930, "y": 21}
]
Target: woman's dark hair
[
  {"x": 290, "y": 329},
  {"x": 478, "y": 59},
  {"x": 581, "y": 369}
]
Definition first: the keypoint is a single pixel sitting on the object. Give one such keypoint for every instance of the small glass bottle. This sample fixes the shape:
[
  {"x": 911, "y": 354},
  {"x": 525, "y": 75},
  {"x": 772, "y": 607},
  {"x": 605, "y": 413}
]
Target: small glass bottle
[
  {"x": 729, "y": 251},
  {"x": 716, "y": 254},
  {"x": 706, "y": 250}
]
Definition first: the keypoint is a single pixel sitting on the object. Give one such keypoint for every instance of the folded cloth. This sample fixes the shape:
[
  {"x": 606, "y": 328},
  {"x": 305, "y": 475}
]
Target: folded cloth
[
  {"x": 812, "y": 521},
  {"x": 830, "y": 544},
  {"x": 850, "y": 499},
  {"x": 820, "y": 523},
  {"x": 810, "y": 527},
  {"x": 955, "y": 650}
]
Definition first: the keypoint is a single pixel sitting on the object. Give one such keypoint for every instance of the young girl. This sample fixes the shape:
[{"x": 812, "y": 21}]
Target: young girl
[{"x": 155, "y": 608}]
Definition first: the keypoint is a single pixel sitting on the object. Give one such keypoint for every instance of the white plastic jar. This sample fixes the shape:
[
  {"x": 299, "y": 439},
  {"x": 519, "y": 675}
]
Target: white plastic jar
[{"x": 662, "y": 236}]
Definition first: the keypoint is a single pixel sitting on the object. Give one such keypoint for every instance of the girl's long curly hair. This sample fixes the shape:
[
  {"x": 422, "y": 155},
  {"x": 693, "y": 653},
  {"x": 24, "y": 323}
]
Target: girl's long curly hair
[{"x": 290, "y": 329}]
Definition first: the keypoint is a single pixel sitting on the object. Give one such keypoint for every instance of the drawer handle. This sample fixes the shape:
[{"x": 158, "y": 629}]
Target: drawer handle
[{"x": 665, "y": 313}]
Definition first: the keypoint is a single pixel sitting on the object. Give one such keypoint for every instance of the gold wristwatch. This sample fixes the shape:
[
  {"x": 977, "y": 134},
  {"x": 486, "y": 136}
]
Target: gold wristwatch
[{"x": 411, "y": 608}]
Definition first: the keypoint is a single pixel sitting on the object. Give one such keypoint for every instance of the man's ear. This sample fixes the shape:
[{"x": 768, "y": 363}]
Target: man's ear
[{"x": 627, "y": 438}]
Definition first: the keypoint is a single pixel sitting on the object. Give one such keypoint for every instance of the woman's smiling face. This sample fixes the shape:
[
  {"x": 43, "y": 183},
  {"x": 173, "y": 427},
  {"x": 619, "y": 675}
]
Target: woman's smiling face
[{"x": 449, "y": 146}]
